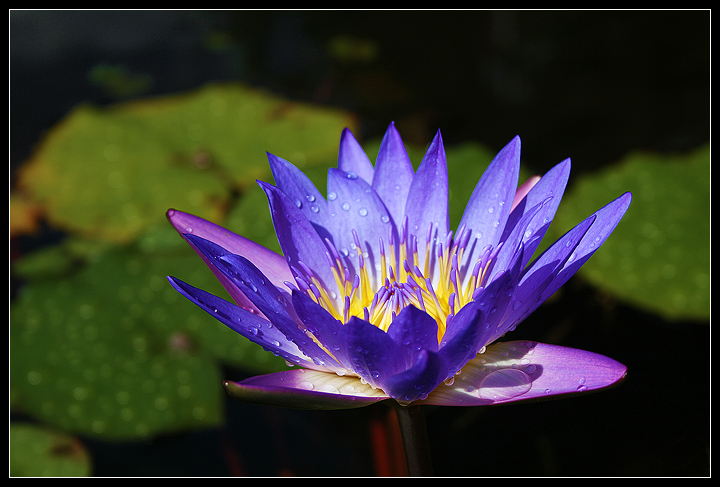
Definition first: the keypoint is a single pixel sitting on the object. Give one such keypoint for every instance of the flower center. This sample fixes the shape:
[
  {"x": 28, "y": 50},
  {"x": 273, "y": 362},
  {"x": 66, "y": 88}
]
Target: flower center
[{"x": 440, "y": 288}]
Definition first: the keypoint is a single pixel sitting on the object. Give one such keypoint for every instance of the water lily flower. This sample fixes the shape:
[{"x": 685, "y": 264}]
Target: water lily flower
[{"x": 376, "y": 298}]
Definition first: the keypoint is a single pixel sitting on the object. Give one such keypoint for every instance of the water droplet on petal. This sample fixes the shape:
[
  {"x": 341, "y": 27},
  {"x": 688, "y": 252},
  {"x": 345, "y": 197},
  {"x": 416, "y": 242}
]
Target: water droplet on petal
[
  {"x": 298, "y": 203},
  {"x": 505, "y": 384},
  {"x": 308, "y": 386},
  {"x": 362, "y": 212},
  {"x": 345, "y": 206},
  {"x": 310, "y": 198},
  {"x": 332, "y": 195}
]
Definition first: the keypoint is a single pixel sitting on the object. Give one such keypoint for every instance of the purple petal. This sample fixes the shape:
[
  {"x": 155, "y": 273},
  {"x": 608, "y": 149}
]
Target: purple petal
[
  {"x": 567, "y": 255},
  {"x": 305, "y": 389},
  {"x": 505, "y": 256},
  {"x": 533, "y": 288},
  {"x": 414, "y": 330},
  {"x": 491, "y": 201},
  {"x": 606, "y": 219},
  {"x": 357, "y": 211},
  {"x": 393, "y": 174},
  {"x": 504, "y": 295},
  {"x": 297, "y": 236},
  {"x": 517, "y": 371},
  {"x": 321, "y": 324},
  {"x": 483, "y": 316},
  {"x": 549, "y": 191},
  {"x": 457, "y": 348},
  {"x": 373, "y": 354},
  {"x": 274, "y": 304},
  {"x": 270, "y": 263},
  {"x": 352, "y": 159},
  {"x": 298, "y": 187},
  {"x": 247, "y": 324},
  {"x": 428, "y": 371},
  {"x": 276, "y": 307},
  {"x": 427, "y": 202},
  {"x": 523, "y": 190}
]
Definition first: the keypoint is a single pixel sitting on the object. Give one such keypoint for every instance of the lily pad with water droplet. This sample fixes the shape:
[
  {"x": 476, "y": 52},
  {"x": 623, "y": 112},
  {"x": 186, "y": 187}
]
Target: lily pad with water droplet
[
  {"x": 658, "y": 258},
  {"x": 111, "y": 173},
  {"x": 111, "y": 350}
]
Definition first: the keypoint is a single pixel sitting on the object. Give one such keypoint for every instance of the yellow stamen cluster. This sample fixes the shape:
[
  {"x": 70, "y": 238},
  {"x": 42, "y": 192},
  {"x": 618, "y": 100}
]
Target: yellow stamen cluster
[{"x": 436, "y": 288}]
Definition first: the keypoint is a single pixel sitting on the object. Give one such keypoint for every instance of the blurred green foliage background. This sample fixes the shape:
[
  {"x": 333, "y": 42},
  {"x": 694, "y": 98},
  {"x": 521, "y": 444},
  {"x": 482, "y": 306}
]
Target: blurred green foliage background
[{"x": 103, "y": 349}]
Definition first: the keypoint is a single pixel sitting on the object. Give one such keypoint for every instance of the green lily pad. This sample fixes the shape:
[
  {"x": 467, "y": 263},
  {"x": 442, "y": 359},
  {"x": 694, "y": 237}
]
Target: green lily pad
[
  {"x": 39, "y": 452},
  {"x": 111, "y": 173},
  {"x": 112, "y": 350},
  {"x": 658, "y": 258}
]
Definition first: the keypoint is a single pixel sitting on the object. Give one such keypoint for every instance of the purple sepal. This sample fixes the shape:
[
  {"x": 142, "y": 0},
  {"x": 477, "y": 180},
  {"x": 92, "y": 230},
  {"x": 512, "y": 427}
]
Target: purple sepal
[
  {"x": 305, "y": 389},
  {"x": 520, "y": 371}
]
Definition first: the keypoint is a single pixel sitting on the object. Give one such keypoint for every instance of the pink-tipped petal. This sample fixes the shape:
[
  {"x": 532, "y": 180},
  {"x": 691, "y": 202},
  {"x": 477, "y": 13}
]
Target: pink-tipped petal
[{"x": 523, "y": 189}]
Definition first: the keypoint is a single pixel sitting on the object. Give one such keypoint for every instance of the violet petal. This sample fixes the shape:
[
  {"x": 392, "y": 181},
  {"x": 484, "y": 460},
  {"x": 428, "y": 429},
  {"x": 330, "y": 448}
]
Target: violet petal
[
  {"x": 352, "y": 158},
  {"x": 276, "y": 306},
  {"x": 426, "y": 374},
  {"x": 357, "y": 211},
  {"x": 393, "y": 174},
  {"x": 373, "y": 354},
  {"x": 427, "y": 202},
  {"x": 490, "y": 203},
  {"x": 549, "y": 191},
  {"x": 305, "y": 389},
  {"x": 518, "y": 370},
  {"x": 321, "y": 324},
  {"x": 298, "y": 239},
  {"x": 414, "y": 330},
  {"x": 271, "y": 264},
  {"x": 247, "y": 324},
  {"x": 298, "y": 187}
]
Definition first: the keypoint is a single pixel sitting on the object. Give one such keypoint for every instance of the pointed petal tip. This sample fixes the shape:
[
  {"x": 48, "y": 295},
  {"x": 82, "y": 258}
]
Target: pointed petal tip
[
  {"x": 172, "y": 215},
  {"x": 182, "y": 221},
  {"x": 436, "y": 149},
  {"x": 514, "y": 145}
]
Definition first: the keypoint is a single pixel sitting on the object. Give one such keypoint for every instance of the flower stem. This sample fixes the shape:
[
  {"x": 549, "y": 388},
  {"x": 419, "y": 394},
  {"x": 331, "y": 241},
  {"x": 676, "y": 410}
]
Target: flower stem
[{"x": 411, "y": 420}]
